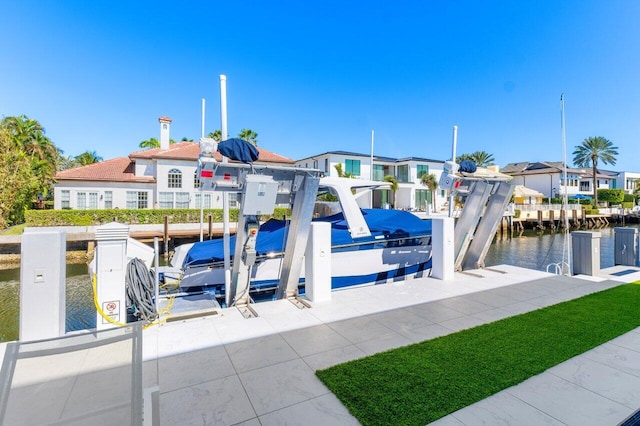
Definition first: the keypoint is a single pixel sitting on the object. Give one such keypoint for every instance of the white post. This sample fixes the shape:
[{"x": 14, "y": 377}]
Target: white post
[
  {"x": 317, "y": 263},
  {"x": 111, "y": 267},
  {"x": 42, "y": 284},
  {"x": 201, "y": 186},
  {"x": 453, "y": 158},
  {"x": 442, "y": 252},
  {"x": 226, "y": 241},
  {"x": 371, "y": 174}
]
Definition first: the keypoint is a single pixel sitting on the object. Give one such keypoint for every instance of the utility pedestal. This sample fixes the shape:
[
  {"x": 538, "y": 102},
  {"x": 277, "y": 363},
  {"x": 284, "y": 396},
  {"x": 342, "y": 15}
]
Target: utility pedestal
[
  {"x": 42, "y": 284},
  {"x": 586, "y": 252},
  {"x": 442, "y": 248},
  {"x": 626, "y": 246},
  {"x": 317, "y": 263},
  {"x": 111, "y": 267}
]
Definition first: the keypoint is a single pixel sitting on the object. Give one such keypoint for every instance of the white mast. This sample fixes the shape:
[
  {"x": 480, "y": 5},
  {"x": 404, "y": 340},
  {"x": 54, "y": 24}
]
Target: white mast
[
  {"x": 566, "y": 245},
  {"x": 453, "y": 159},
  {"x": 226, "y": 242},
  {"x": 201, "y": 192},
  {"x": 371, "y": 173}
]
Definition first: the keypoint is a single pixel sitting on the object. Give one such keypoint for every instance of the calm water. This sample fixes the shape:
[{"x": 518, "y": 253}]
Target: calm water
[{"x": 533, "y": 250}]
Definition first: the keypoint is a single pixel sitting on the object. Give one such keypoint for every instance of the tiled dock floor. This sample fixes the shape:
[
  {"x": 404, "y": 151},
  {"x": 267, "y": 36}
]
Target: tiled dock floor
[{"x": 260, "y": 371}]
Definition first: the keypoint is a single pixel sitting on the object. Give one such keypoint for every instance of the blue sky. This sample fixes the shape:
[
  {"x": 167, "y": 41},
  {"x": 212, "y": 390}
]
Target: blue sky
[{"x": 316, "y": 76}]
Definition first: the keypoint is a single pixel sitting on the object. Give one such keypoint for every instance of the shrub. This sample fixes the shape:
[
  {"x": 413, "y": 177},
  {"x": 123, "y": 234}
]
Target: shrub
[
  {"x": 613, "y": 196},
  {"x": 517, "y": 213},
  {"x": 147, "y": 216}
]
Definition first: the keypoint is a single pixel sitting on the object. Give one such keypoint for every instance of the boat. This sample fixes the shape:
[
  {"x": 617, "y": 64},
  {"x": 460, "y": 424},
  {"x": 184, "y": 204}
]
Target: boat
[{"x": 368, "y": 246}]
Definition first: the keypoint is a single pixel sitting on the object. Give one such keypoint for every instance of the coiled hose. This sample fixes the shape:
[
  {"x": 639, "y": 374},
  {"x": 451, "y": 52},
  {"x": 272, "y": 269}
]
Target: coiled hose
[{"x": 140, "y": 291}]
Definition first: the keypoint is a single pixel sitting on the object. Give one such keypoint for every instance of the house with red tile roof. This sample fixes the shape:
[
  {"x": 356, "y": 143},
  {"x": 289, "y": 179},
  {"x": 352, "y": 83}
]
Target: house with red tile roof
[{"x": 163, "y": 177}]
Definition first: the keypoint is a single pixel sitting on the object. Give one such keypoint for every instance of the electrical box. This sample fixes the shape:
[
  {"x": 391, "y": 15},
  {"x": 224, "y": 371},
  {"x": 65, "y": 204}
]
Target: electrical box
[
  {"x": 43, "y": 276},
  {"x": 259, "y": 195},
  {"x": 626, "y": 246},
  {"x": 585, "y": 247}
]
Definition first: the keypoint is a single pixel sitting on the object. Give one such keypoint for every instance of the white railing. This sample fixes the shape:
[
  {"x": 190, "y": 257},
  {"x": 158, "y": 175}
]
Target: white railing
[{"x": 546, "y": 207}]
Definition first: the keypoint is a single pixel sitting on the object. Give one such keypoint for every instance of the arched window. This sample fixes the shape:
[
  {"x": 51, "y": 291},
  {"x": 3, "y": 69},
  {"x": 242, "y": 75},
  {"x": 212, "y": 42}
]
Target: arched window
[{"x": 174, "y": 179}]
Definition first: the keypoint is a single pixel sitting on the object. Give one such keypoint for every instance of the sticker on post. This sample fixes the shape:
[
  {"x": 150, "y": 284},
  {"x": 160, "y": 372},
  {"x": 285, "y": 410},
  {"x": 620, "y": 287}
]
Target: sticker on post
[{"x": 112, "y": 310}]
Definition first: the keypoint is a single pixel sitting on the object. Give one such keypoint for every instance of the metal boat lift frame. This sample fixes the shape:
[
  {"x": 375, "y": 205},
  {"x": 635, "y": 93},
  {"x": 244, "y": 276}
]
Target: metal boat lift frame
[{"x": 297, "y": 187}]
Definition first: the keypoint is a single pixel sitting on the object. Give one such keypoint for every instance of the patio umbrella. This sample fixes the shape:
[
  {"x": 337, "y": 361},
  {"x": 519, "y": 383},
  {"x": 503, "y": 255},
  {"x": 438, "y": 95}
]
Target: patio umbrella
[{"x": 581, "y": 197}]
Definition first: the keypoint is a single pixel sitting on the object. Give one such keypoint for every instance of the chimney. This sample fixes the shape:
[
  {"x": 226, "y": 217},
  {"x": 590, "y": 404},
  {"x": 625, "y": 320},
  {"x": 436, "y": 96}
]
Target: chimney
[{"x": 165, "y": 125}]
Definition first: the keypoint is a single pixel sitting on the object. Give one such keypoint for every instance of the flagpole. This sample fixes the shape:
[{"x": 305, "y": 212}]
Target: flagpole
[
  {"x": 226, "y": 241},
  {"x": 201, "y": 192}
]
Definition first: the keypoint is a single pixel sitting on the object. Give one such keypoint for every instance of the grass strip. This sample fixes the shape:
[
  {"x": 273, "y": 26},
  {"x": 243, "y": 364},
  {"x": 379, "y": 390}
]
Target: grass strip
[{"x": 420, "y": 383}]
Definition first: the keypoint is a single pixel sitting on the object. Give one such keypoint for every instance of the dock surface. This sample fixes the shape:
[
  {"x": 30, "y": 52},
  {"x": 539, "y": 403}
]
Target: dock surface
[{"x": 225, "y": 369}]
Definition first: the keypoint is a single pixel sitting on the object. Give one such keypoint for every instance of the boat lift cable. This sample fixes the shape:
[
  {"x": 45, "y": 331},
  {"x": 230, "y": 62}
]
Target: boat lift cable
[{"x": 140, "y": 291}]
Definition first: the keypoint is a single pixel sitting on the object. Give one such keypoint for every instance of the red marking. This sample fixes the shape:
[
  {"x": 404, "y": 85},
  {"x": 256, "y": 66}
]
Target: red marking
[
  {"x": 111, "y": 306},
  {"x": 206, "y": 173},
  {"x": 457, "y": 184},
  {"x": 227, "y": 176},
  {"x": 254, "y": 232}
]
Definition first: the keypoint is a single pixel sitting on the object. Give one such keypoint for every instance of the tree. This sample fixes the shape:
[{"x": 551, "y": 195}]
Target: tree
[
  {"x": 216, "y": 135},
  {"x": 27, "y": 136},
  {"x": 429, "y": 180},
  {"x": 88, "y": 157},
  {"x": 20, "y": 185},
  {"x": 249, "y": 136},
  {"x": 153, "y": 143},
  {"x": 66, "y": 162},
  {"x": 186, "y": 139},
  {"x": 594, "y": 149},
  {"x": 393, "y": 187},
  {"x": 481, "y": 158},
  {"x": 341, "y": 172},
  {"x": 636, "y": 186}
]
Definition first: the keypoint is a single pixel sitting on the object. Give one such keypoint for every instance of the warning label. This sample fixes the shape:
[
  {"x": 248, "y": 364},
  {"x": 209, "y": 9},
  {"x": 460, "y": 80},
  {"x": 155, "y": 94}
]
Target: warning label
[{"x": 112, "y": 309}]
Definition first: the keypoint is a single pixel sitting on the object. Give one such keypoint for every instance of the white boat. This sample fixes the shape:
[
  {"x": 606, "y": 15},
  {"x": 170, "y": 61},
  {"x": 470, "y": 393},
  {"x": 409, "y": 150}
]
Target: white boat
[{"x": 368, "y": 246}]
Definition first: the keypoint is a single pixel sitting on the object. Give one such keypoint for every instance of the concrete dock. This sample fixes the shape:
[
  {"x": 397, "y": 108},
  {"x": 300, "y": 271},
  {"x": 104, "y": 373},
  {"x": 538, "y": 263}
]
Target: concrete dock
[{"x": 226, "y": 369}]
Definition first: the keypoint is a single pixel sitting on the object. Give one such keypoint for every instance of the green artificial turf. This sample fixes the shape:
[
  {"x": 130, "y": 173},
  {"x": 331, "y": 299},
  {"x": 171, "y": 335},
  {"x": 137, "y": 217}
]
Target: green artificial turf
[{"x": 417, "y": 384}]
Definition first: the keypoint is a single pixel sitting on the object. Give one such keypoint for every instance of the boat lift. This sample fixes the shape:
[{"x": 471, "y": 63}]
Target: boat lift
[
  {"x": 260, "y": 188},
  {"x": 486, "y": 200}
]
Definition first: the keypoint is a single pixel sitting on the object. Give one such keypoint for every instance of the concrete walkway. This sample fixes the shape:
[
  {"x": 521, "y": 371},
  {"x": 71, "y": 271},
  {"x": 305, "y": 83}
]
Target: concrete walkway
[{"x": 260, "y": 371}]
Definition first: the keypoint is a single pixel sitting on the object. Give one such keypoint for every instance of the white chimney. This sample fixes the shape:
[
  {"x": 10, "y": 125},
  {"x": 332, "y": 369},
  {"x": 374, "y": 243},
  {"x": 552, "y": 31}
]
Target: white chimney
[{"x": 165, "y": 125}]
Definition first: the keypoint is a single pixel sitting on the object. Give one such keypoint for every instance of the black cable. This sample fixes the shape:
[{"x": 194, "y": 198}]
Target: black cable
[{"x": 140, "y": 291}]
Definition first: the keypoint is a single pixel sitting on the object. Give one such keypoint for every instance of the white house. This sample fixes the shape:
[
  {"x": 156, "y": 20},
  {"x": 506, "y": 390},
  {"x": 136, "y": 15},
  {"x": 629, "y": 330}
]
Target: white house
[
  {"x": 411, "y": 194},
  {"x": 547, "y": 177},
  {"x": 627, "y": 181},
  {"x": 162, "y": 177}
]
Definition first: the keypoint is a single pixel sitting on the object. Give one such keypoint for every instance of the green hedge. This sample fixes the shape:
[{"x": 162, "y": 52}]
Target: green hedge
[
  {"x": 99, "y": 217},
  {"x": 591, "y": 211}
]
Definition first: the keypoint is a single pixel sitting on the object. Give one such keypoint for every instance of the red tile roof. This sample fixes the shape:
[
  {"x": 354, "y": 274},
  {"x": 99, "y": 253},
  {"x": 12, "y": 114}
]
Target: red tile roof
[
  {"x": 164, "y": 119},
  {"x": 120, "y": 169},
  {"x": 191, "y": 150}
]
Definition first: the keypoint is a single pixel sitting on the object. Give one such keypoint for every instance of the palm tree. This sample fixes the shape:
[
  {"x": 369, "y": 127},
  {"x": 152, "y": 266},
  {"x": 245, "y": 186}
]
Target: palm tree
[
  {"x": 150, "y": 143},
  {"x": 481, "y": 158},
  {"x": 429, "y": 180},
  {"x": 393, "y": 187},
  {"x": 594, "y": 149},
  {"x": 249, "y": 136},
  {"x": 216, "y": 135},
  {"x": 341, "y": 172},
  {"x": 88, "y": 157}
]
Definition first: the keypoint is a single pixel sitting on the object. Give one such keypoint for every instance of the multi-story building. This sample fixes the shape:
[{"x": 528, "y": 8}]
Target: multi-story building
[
  {"x": 163, "y": 177},
  {"x": 411, "y": 194},
  {"x": 547, "y": 177}
]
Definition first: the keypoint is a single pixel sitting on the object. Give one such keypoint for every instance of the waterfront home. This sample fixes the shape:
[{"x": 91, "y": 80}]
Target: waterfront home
[
  {"x": 411, "y": 194},
  {"x": 163, "y": 177},
  {"x": 547, "y": 177}
]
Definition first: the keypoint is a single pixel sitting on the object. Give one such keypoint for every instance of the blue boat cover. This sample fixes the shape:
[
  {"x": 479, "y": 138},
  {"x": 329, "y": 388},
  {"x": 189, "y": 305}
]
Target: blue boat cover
[
  {"x": 389, "y": 224},
  {"x": 239, "y": 150},
  {"x": 468, "y": 166}
]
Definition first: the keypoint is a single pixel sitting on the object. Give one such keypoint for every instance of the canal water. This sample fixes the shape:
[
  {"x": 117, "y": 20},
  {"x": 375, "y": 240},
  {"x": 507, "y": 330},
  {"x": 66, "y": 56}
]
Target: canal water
[{"x": 531, "y": 249}]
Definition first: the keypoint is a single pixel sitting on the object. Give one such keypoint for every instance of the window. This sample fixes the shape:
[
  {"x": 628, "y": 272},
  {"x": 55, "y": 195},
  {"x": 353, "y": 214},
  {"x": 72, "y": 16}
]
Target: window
[
  {"x": 422, "y": 169},
  {"x": 65, "y": 197},
  {"x": 326, "y": 165},
  {"x": 315, "y": 164},
  {"x": 584, "y": 186},
  {"x": 93, "y": 200},
  {"x": 196, "y": 180},
  {"x": 182, "y": 200},
  {"x": 352, "y": 166},
  {"x": 233, "y": 199},
  {"x": 423, "y": 197},
  {"x": 108, "y": 199},
  {"x": 165, "y": 200},
  {"x": 174, "y": 179},
  {"x": 378, "y": 172},
  {"x": 207, "y": 200},
  {"x": 137, "y": 200},
  {"x": 403, "y": 173},
  {"x": 81, "y": 200}
]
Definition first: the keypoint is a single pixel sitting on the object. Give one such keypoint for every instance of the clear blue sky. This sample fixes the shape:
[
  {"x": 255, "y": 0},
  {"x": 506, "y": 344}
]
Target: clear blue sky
[{"x": 315, "y": 76}]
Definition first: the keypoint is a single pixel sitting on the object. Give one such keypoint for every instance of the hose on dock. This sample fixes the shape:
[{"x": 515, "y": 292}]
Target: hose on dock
[{"x": 140, "y": 291}]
